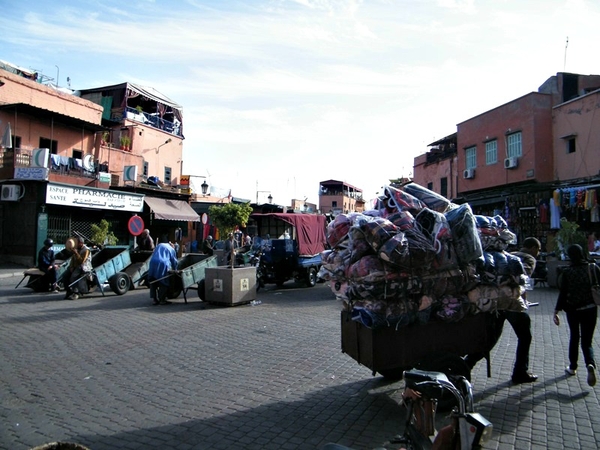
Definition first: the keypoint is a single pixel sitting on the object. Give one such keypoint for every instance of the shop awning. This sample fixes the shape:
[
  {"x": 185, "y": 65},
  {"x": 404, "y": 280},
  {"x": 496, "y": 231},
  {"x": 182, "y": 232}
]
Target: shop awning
[{"x": 167, "y": 209}]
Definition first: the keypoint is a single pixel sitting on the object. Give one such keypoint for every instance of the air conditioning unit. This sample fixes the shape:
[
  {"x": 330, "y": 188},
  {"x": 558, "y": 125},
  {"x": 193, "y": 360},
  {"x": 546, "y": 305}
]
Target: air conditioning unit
[
  {"x": 10, "y": 192},
  {"x": 469, "y": 173},
  {"x": 511, "y": 163}
]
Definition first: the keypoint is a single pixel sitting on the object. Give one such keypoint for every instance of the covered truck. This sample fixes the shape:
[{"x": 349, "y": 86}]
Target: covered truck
[{"x": 297, "y": 254}]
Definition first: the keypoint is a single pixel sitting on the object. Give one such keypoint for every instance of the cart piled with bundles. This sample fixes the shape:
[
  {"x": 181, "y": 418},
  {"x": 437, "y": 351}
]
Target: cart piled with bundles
[{"x": 418, "y": 277}]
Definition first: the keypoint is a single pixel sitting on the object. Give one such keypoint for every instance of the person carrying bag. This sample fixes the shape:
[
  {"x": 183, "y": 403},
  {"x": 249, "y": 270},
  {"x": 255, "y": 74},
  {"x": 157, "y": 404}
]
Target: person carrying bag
[{"x": 576, "y": 286}]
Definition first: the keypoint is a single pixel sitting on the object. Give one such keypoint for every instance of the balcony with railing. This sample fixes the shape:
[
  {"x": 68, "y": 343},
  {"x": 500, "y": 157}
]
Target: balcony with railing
[
  {"x": 58, "y": 166},
  {"x": 149, "y": 119}
]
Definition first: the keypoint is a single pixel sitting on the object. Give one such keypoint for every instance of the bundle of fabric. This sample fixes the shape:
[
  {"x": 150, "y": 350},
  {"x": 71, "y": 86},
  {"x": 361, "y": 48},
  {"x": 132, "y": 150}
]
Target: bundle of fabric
[
  {"x": 374, "y": 313},
  {"x": 398, "y": 200},
  {"x": 447, "y": 282},
  {"x": 494, "y": 233},
  {"x": 337, "y": 230},
  {"x": 436, "y": 229},
  {"x": 489, "y": 298},
  {"x": 334, "y": 264},
  {"x": 415, "y": 247},
  {"x": 450, "y": 308},
  {"x": 465, "y": 236},
  {"x": 429, "y": 198},
  {"x": 418, "y": 257}
]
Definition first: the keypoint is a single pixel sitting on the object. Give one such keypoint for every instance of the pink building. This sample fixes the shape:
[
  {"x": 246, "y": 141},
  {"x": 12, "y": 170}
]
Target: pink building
[
  {"x": 507, "y": 145},
  {"x": 338, "y": 197},
  {"x": 438, "y": 168},
  {"x": 510, "y": 159},
  {"x": 576, "y": 140},
  {"x": 68, "y": 161}
]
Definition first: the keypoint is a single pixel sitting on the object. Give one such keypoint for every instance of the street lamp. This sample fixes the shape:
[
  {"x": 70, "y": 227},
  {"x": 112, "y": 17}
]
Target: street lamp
[
  {"x": 165, "y": 143},
  {"x": 270, "y": 198},
  {"x": 203, "y": 186}
]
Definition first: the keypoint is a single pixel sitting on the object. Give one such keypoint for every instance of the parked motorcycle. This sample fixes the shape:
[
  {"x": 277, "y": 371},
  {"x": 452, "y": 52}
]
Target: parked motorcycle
[
  {"x": 468, "y": 430},
  {"x": 254, "y": 259}
]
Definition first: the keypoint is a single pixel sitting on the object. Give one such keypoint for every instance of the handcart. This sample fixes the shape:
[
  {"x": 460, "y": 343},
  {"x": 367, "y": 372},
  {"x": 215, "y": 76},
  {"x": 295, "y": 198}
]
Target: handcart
[
  {"x": 35, "y": 276},
  {"x": 435, "y": 345},
  {"x": 190, "y": 274},
  {"x": 138, "y": 270},
  {"x": 108, "y": 267}
]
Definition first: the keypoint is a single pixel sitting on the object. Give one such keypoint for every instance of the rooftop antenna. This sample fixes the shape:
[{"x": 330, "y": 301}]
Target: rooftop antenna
[{"x": 565, "y": 62}]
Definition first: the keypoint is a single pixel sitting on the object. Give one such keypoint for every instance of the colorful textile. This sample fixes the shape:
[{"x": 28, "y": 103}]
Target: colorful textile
[
  {"x": 398, "y": 200},
  {"x": 378, "y": 231},
  {"x": 464, "y": 231},
  {"x": 431, "y": 199}
]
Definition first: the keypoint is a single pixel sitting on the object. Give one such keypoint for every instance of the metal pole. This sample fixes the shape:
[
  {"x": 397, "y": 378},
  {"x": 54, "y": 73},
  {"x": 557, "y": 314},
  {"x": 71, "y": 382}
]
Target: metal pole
[{"x": 57, "y": 73}]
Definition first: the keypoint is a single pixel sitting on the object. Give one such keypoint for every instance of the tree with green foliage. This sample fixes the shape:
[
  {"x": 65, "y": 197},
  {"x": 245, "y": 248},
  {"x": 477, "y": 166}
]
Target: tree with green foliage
[
  {"x": 102, "y": 235},
  {"x": 568, "y": 235},
  {"x": 229, "y": 216}
]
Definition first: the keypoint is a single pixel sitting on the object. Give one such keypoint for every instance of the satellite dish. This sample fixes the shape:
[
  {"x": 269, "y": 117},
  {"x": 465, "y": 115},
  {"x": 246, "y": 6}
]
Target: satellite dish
[{"x": 88, "y": 163}]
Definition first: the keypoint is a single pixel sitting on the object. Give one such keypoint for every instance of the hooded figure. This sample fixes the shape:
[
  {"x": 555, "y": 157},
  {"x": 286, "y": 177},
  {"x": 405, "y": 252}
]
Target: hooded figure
[{"x": 162, "y": 261}]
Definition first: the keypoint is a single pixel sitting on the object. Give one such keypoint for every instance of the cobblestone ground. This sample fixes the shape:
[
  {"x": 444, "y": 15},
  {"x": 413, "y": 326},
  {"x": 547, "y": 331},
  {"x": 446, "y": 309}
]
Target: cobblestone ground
[{"x": 115, "y": 372}]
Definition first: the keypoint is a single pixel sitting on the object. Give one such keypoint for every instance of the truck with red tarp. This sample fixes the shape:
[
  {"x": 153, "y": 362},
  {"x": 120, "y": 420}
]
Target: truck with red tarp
[{"x": 297, "y": 255}]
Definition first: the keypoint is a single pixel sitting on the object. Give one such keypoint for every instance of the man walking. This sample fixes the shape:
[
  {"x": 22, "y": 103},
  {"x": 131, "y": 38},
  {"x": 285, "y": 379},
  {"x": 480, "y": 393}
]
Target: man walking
[{"x": 519, "y": 321}]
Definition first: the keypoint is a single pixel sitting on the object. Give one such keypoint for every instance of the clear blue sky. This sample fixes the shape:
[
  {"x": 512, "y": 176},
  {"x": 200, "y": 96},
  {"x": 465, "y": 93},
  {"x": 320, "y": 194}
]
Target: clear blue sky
[{"x": 281, "y": 94}]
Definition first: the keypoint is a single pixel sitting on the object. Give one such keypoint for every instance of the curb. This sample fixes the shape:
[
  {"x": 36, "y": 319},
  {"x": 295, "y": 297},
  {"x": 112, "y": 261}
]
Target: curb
[{"x": 11, "y": 274}]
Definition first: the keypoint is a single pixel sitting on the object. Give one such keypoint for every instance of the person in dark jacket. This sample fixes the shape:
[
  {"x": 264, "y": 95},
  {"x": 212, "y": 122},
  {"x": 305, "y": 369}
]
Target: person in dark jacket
[
  {"x": 528, "y": 255},
  {"x": 208, "y": 246},
  {"x": 519, "y": 321},
  {"x": 575, "y": 299},
  {"x": 46, "y": 264}
]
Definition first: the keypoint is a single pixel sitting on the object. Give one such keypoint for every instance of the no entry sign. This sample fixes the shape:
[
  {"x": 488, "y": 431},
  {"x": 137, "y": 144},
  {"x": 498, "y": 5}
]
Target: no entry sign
[{"x": 136, "y": 225}]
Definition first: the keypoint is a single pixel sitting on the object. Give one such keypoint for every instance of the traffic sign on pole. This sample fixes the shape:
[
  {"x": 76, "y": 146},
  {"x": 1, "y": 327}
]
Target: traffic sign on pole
[{"x": 135, "y": 225}]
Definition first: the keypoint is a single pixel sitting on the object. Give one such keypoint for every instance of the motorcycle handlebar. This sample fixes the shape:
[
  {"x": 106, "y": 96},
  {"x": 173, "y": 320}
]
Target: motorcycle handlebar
[{"x": 454, "y": 390}]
